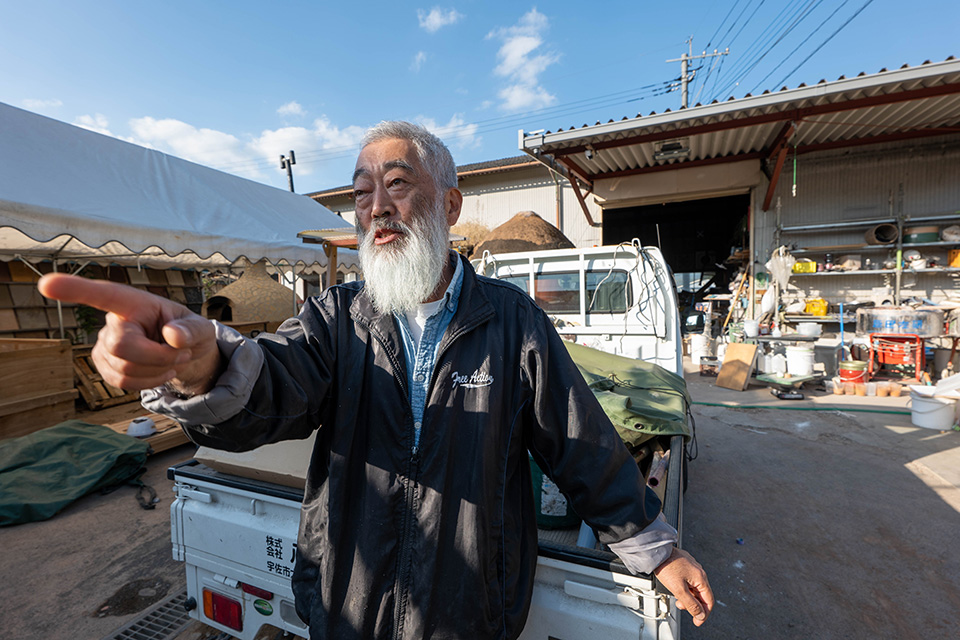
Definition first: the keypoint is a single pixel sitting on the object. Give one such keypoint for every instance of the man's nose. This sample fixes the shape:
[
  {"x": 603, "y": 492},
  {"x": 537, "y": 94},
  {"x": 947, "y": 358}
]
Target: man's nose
[{"x": 383, "y": 205}]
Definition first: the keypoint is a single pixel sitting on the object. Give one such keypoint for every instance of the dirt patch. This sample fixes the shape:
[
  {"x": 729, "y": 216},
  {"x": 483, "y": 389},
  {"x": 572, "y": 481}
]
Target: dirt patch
[{"x": 133, "y": 597}]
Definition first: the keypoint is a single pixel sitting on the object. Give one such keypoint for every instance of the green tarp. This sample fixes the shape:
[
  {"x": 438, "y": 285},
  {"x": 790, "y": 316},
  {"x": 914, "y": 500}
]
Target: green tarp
[
  {"x": 43, "y": 472},
  {"x": 641, "y": 399}
]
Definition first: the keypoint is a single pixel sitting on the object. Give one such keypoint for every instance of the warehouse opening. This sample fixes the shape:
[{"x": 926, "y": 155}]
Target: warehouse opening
[{"x": 697, "y": 237}]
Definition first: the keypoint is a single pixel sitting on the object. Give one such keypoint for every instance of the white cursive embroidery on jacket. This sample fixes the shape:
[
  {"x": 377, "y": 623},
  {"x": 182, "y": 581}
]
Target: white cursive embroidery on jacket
[{"x": 474, "y": 380}]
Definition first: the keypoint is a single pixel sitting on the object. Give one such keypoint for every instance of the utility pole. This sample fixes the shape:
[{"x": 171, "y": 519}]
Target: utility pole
[
  {"x": 685, "y": 75},
  {"x": 287, "y": 163}
]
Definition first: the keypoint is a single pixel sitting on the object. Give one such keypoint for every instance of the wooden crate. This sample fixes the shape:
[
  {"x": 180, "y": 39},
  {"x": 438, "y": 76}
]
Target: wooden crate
[
  {"x": 36, "y": 385},
  {"x": 96, "y": 393}
]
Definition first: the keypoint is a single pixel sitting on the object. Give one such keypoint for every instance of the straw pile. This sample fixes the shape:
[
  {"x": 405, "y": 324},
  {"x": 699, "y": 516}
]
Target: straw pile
[{"x": 525, "y": 231}]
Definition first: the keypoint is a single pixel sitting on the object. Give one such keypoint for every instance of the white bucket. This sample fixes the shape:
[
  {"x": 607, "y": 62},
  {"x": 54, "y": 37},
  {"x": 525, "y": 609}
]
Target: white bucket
[
  {"x": 799, "y": 361},
  {"x": 751, "y": 328},
  {"x": 699, "y": 348},
  {"x": 932, "y": 412}
]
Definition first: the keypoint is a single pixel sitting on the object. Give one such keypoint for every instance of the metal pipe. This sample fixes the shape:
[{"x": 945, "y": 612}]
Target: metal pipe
[{"x": 838, "y": 225}]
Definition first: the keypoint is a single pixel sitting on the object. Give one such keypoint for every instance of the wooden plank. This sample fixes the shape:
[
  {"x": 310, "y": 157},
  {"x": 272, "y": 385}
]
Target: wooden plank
[
  {"x": 738, "y": 363},
  {"x": 36, "y": 402},
  {"x": 26, "y": 422},
  {"x": 8, "y": 320},
  {"x": 87, "y": 391},
  {"x": 31, "y": 368},
  {"x": 96, "y": 393},
  {"x": 32, "y": 318},
  {"x": 169, "y": 433},
  {"x": 20, "y": 272}
]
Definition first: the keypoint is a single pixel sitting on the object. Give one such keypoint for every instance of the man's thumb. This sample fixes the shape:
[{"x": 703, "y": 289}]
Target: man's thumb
[{"x": 188, "y": 333}]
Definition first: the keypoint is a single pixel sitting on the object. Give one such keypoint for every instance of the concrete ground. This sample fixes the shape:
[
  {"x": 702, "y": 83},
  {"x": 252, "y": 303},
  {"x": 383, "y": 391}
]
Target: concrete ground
[{"x": 814, "y": 519}]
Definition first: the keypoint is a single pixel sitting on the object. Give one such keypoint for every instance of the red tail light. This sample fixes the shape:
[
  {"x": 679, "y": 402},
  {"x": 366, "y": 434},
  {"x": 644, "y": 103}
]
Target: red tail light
[
  {"x": 220, "y": 608},
  {"x": 256, "y": 592}
]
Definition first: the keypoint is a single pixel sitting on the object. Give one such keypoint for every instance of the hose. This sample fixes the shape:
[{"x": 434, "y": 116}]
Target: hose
[{"x": 766, "y": 406}]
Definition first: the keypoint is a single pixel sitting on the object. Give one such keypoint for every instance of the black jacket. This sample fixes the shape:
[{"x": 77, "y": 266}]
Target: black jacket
[{"x": 441, "y": 542}]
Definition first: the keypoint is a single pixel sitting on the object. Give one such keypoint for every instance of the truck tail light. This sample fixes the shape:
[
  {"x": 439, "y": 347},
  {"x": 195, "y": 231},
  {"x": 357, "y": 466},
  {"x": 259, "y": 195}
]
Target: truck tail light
[
  {"x": 256, "y": 592},
  {"x": 220, "y": 608}
]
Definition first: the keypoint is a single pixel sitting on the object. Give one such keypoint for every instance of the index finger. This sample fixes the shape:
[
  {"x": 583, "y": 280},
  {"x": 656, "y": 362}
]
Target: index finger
[{"x": 101, "y": 294}]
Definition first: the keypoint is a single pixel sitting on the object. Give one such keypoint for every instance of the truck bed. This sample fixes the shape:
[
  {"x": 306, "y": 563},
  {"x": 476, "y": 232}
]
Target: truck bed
[{"x": 223, "y": 526}]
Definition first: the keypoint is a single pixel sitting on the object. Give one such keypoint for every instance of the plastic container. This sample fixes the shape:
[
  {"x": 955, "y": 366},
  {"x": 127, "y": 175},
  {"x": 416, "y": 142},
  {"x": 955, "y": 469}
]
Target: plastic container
[
  {"x": 871, "y": 388},
  {"x": 553, "y": 511},
  {"x": 816, "y": 307},
  {"x": 929, "y": 411},
  {"x": 699, "y": 348},
  {"x": 809, "y": 329},
  {"x": 853, "y": 371},
  {"x": 921, "y": 234},
  {"x": 805, "y": 266},
  {"x": 751, "y": 328},
  {"x": 799, "y": 361},
  {"x": 926, "y": 323}
]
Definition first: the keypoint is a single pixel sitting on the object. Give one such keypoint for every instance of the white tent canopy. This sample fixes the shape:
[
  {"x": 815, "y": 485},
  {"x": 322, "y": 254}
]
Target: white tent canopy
[{"x": 70, "y": 193}]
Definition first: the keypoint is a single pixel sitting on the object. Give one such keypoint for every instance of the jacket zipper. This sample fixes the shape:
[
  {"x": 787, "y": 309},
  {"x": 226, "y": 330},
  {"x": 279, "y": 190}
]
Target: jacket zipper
[
  {"x": 406, "y": 534},
  {"x": 409, "y": 493}
]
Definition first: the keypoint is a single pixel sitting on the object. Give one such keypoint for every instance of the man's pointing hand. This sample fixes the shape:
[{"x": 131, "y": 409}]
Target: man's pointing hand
[{"x": 147, "y": 340}]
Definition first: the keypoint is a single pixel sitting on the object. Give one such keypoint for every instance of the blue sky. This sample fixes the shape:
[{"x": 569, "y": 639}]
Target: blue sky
[{"x": 233, "y": 85}]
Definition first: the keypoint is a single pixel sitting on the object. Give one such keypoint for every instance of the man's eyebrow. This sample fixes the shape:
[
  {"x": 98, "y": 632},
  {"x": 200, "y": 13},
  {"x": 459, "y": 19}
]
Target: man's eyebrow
[{"x": 392, "y": 164}]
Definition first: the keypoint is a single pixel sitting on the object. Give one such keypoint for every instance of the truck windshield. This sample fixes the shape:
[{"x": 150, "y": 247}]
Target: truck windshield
[{"x": 606, "y": 291}]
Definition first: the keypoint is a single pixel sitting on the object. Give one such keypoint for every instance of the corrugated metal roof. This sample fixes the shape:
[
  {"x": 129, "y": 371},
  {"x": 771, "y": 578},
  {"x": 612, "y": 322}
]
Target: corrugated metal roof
[{"x": 909, "y": 102}]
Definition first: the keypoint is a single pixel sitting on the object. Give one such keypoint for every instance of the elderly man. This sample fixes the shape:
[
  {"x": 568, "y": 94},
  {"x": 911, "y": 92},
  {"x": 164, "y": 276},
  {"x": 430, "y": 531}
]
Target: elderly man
[{"x": 429, "y": 384}]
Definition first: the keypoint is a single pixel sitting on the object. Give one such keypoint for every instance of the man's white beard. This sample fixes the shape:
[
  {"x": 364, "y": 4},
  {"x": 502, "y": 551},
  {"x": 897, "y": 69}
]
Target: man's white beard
[{"x": 402, "y": 274}]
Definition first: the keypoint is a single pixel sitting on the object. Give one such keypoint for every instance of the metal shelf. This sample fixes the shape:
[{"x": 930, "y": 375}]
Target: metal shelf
[
  {"x": 830, "y": 317},
  {"x": 864, "y": 272}
]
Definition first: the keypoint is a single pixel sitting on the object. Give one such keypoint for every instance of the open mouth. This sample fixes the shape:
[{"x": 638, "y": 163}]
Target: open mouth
[{"x": 386, "y": 236}]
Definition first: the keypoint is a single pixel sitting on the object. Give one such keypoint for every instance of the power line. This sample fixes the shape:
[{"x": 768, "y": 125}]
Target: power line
[
  {"x": 803, "y": 14},
  {"x": 812, "y": 53},
  {"x": 769, "y": 32},
  {"x": 720, "y": 26},
  {"x": 805, "y": 40},
  {"x": 717, "y": 63}
]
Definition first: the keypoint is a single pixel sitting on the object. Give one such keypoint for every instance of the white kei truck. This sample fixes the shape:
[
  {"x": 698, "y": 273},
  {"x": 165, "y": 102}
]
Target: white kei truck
[{"x": 235, "y": 517}]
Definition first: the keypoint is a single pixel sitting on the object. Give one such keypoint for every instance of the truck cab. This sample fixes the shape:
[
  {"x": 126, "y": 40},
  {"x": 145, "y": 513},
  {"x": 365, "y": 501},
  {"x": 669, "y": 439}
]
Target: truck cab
[{"x": 618, "y": 299}]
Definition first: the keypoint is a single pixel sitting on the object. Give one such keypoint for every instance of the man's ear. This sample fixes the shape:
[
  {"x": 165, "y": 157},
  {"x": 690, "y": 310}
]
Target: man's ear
[{"x": 452, "y": 203}]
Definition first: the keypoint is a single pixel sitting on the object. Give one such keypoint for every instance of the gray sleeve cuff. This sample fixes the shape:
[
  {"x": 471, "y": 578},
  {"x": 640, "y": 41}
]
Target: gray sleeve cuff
[
  {"x": 228, "y": 396},
  {"x": 648, "y": 549}
]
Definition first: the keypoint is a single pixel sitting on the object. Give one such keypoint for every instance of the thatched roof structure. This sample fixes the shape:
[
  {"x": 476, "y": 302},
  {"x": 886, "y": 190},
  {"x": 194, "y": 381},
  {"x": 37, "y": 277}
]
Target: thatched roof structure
[
  {"x": 254, "y": 297},
  {"x": 525, "y": 231}
]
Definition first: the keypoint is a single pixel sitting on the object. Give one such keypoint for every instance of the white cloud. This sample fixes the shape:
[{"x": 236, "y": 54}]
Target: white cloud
[
  {"x": 521, "y": 62},
  {"x": 418, "y": 61},
  {"x": 320, "y": 147},
  {"x": 97, "y": 123},
  {"x": 292, "y": 108},
  {"x": 38, "y": 105},
  {"x": 437, "y": 18},
  {"x": 455, "y": 133},
  {"x": 204, "y": 146}
]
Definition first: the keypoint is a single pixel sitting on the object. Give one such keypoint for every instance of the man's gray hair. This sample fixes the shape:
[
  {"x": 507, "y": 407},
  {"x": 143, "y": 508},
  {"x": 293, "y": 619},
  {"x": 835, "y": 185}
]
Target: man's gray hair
[{"x": 430, "y": 149}]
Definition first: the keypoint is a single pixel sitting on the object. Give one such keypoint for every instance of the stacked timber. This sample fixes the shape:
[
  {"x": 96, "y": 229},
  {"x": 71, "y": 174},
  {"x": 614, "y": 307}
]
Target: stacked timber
[{"x": 36, "y": 385}]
